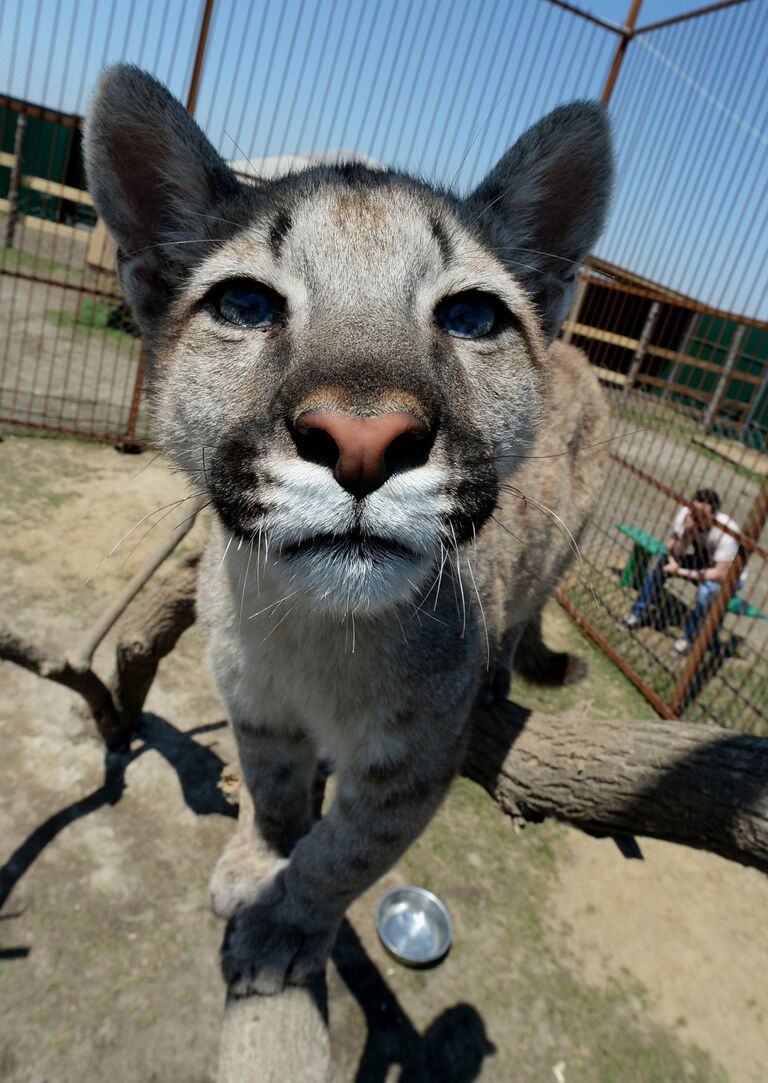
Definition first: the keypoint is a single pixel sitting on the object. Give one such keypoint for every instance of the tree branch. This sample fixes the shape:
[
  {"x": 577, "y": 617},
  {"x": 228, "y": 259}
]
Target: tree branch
[
  {"x": 83, "y": 681},
  {"x": 701, "y": 786},
  {"x": 149, "y": 632},
  {"x": 697, "y": 785}
]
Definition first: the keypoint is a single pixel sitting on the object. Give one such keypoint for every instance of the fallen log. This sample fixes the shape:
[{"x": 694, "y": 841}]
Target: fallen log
[
  {"x": 701, "y": 786},
  {"x": 697, "y": 785},
  {"x": 275, "y": 1039},
  {"x": 149, "y": 632}
]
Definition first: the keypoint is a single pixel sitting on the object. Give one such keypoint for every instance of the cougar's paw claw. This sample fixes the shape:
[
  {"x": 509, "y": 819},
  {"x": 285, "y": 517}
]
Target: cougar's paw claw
[
  {"x": 267, "y": 946},
  {"x": 240, "y": 875}
]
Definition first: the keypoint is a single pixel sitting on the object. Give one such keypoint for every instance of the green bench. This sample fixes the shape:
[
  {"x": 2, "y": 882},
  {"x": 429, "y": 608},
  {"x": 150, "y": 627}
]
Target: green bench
[{"x": 646, "y": 547}]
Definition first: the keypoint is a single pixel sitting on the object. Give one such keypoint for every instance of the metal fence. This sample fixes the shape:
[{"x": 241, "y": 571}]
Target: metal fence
[{"x": 671, "y": 310}]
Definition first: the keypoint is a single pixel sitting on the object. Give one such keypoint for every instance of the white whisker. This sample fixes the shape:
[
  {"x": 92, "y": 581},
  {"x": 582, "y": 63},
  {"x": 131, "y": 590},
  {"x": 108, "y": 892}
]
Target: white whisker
[
  {"x": 113, "y": 550},
  {"x": 170, "y": 244},
  {"x": 274, "y": 605},
  {"x": 461, "y": 585},
  {"x": 273, "y": 630},
  {"x": 482, "y": 614},
  {"x": 245, "y": 582},
  {"x": 258, "y": 561},
  {"x": 223, "y": 558},
  {"x": 444, "y": 551}
]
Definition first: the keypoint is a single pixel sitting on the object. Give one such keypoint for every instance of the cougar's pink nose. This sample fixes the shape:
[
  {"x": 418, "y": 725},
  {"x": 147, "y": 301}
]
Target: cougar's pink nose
[{"x": 362, "y": 451}]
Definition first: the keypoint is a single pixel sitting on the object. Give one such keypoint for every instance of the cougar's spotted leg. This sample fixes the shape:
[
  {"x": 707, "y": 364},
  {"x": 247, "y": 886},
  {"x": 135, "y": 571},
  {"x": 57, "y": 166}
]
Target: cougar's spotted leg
[
  {"x": 381, "y": 806},
  {"x": 278, "y": 767}
]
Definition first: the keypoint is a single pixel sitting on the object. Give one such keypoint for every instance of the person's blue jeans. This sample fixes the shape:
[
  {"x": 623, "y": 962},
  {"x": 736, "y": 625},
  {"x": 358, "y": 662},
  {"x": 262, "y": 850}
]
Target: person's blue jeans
[{"x": 652, "y": 591}]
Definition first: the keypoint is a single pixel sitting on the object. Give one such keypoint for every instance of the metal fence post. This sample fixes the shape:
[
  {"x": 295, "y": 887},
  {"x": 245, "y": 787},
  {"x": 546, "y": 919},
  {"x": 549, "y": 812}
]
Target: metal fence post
[
  {"x": 730, "y": 360},
  {"x": 642, "y": 346},
  {"x": 618, "y": 59},
  {"x": 128, "y": 441},
  {"x": 15, "y": 181},
  {"x": 197, "y": 68}
]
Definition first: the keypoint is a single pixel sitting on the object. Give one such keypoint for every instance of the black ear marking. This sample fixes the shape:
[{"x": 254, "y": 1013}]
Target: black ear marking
[
  {"x": 443, "y": 241},
  {"x": 278, "y": 232}
]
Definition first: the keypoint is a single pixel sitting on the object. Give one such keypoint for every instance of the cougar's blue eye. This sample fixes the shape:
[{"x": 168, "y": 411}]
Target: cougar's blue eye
[
  {"x": 249, "y": 304},
  {"x": 470, "y": 315}
]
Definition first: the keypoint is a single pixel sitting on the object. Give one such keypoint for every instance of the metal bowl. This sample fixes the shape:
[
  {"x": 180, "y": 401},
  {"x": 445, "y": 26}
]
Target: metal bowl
[{"x": 414, "y": 926}]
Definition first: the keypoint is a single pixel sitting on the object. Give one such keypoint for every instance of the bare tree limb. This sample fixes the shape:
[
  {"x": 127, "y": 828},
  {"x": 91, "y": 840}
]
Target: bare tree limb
[
  {"x": 149, "y": 632},
  {"x": 85, "y": 682},
  {"x": 272, "y": 1039},
  {"x": 83, "y": 657},
  {"x": 275, "y": 1039},
  {"x": 701, "y": 786},
  {"x": 698, "y": 785}
]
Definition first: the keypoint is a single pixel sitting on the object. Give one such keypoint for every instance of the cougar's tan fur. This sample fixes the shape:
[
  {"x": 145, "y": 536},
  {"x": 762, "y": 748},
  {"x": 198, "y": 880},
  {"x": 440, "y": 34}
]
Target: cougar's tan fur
[{"x": 357, "y": 627}]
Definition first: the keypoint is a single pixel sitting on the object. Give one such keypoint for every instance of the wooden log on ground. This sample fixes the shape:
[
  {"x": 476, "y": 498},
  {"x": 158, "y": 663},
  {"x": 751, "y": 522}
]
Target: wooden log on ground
[
  {"x": 13, "y": 648},
  {"x": 266, "y": 1039},
  {"x": 276, "y": 1039},
  {"x": 701, "y": 786},
  {"x": 150, "y": 633}
]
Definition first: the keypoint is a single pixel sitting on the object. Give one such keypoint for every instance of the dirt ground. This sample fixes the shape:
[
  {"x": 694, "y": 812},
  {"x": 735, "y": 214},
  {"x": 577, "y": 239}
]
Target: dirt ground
[{"x": 570, "y": 963}]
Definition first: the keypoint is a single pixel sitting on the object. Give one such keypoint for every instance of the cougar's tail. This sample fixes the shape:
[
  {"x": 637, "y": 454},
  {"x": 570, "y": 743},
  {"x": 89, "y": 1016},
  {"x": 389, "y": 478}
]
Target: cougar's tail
[{"x": 537, "y": 663}]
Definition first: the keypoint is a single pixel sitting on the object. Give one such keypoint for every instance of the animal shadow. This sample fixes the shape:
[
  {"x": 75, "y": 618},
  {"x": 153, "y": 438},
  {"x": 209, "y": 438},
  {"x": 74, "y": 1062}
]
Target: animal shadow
[{"x": 452, "y": 1048}]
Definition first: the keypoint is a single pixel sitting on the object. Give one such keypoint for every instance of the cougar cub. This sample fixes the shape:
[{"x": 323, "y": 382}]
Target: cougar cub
[{"x": 358, "y": 369}]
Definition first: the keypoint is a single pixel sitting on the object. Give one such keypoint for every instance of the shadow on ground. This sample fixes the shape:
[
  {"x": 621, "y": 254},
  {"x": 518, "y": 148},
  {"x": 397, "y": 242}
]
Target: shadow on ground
[
  {"x": 452, "y": 1048},
  {"x": 198, "y": 769}
]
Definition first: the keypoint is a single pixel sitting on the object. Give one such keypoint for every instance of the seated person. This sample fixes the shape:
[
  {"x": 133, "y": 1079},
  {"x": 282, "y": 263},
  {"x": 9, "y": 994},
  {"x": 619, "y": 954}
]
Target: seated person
[{"x": 698, "y": 551}]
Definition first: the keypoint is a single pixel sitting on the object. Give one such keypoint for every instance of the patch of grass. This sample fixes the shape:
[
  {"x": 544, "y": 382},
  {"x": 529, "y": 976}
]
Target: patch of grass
[
  {"x": 670, "y": 423},
  {"x": 16, "y": 259},
  {"x": 605, "y": 688},
  {"x": 95, "y": 314},
  {"x": 57, "y": 499}
]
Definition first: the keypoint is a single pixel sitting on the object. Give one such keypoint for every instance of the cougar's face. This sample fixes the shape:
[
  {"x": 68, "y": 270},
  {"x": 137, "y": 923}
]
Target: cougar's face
[
  {"x": 344, "y": 358},
  {"x": 349, "y": 376}
]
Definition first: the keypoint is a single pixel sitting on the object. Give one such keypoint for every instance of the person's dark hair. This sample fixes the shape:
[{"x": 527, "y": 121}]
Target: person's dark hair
[{"x": 708, "y": 496}]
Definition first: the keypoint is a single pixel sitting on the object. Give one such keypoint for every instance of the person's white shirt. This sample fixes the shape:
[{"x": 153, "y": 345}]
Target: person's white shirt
[{"x": 718, "y": 545}]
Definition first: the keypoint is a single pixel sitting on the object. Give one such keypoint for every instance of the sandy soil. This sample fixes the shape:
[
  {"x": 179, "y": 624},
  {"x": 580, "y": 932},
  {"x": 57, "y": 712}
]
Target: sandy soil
[
  {"x": 570, "y": 963},
  {"x": 685, "y": 924}
]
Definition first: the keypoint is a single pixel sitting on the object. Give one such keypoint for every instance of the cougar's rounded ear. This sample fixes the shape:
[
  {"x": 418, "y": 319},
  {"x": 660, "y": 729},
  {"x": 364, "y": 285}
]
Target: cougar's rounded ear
[
  {"x": 156, "y": 181},
  {"x": 544, "y": 203}
]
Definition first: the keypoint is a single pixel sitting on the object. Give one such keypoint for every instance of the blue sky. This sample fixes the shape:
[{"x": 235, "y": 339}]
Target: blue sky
[{"x": 442, "y": 87}]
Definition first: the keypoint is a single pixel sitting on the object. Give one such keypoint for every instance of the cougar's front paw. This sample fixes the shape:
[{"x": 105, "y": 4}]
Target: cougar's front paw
[
  {"x": 270, "y": 944},
  {"x": 240, "y": 875}
]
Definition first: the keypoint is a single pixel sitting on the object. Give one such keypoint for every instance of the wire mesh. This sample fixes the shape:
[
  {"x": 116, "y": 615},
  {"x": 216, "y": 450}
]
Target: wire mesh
[{"x": 671, "y": 310}]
